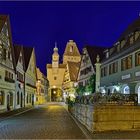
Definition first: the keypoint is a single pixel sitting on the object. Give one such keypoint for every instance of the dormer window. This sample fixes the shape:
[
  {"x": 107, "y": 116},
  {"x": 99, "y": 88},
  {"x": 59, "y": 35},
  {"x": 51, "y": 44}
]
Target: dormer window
[
  {"x": 137, "y": 34},
  {"x": 106, "y": 53},
  {"x": 122, "y": 43},
  {"x": 131, "y": 39}
]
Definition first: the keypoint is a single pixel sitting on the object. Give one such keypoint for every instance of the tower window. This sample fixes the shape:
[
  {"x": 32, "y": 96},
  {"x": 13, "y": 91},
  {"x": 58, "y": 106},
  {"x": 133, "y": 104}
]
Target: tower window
[
  {"x": 71, "y": 48},
  {"x": 55, "y": 77}
]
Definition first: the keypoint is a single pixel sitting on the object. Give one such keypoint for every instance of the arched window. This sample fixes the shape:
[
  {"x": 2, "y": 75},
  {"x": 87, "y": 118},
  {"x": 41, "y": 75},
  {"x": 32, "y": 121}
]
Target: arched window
[
  {"x": 71, "y": 48},
  {"x": 126, "y": 90}
]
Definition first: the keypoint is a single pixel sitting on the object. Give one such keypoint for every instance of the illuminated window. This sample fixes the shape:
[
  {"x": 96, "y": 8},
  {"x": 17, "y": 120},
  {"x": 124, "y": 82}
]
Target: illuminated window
[
  {"x": 2, "y": 98},
  {"x": 126, "y": 63},
  {"x": 137, "y": 58}
]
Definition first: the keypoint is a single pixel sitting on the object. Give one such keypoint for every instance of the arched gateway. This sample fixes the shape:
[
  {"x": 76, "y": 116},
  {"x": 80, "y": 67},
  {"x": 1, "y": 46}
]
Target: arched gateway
[{"x": 56, "y": 94}]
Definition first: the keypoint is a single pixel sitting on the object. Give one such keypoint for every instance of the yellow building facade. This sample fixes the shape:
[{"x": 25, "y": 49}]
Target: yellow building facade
[{"x": 42, "y": 87}]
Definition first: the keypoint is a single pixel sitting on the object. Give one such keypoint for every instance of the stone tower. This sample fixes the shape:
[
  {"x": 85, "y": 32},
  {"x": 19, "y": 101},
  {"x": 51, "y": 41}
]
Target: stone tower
[
  {"x": 55, "y": 74},
  {"x": 71, "y": 53}
]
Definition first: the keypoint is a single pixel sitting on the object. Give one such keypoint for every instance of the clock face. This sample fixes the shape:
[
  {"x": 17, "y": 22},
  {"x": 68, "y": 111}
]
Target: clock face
[{"x": 55, "y": 58}]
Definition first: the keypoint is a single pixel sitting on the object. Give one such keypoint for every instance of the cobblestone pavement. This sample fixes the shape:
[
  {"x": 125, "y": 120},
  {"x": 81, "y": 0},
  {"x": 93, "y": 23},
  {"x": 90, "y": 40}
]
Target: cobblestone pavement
[
  {"x": 43, "y": 122},
  {"x": 8, "y": 114}
]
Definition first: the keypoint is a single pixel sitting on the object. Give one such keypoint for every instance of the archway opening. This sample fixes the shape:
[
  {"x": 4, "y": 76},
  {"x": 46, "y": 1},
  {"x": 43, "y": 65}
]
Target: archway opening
[{"x": 56, "y": 95}]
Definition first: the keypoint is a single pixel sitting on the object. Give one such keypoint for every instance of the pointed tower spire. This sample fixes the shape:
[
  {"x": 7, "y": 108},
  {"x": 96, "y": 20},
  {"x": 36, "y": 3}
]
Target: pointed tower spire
[
  {"x": 55, "y": 44},
  {"x": 55, "y": 48}
]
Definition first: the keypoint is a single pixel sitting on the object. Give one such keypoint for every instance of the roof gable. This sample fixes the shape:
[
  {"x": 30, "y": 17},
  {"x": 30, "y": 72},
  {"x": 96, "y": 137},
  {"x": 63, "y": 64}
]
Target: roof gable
[
  {"x": 3, "y": 19},
  {"x": 134, "y": 26},
  {"x": 17, "y": 50},
  {"x": 27, "y": 56}
]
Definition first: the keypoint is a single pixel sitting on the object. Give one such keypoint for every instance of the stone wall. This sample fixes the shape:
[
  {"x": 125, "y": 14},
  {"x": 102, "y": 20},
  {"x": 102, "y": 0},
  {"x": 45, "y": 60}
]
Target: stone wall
[{"x": 108, "y": 117}]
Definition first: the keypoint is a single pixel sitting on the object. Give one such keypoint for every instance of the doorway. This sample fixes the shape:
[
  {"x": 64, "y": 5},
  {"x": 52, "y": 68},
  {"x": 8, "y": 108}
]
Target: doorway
[{"x": 56, "y": 95}]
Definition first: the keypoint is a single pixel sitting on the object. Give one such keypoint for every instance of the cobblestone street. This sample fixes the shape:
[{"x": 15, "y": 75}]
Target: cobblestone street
[{"x": 48, "y": 122}]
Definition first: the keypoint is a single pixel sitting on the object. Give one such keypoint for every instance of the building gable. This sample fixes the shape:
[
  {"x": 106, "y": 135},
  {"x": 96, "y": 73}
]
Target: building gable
[
  {"x": 6, "y": 46},
  {"x": 71, "y": 53},
  {"x": 86, "y": 65},
  {"x": 32, "y": 65}
]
